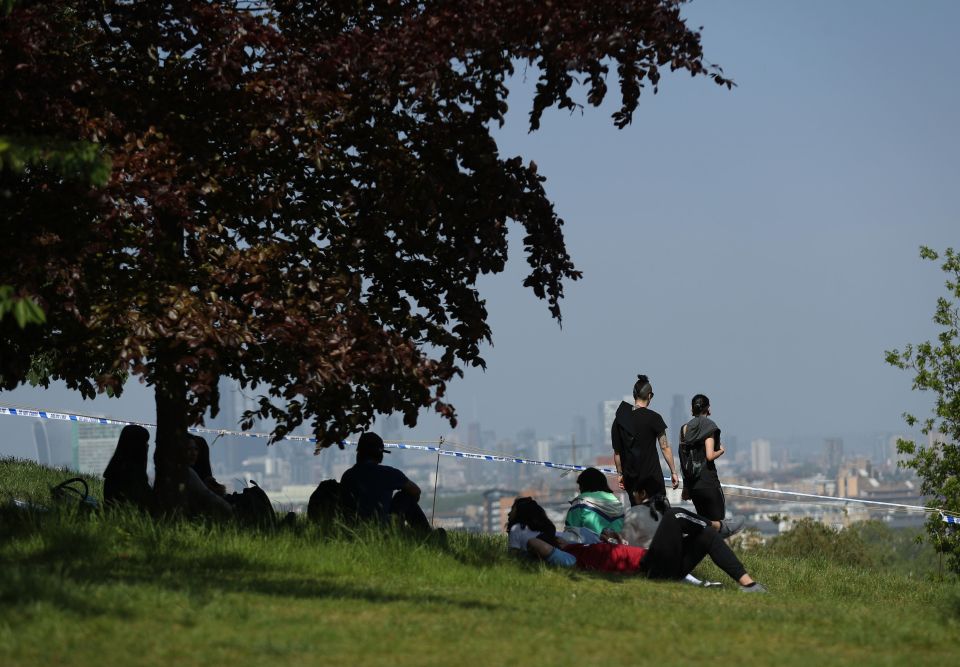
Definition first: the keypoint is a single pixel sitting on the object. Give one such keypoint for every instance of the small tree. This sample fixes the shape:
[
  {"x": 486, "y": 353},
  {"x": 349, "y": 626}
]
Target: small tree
[{"x": 937, "y": 368}]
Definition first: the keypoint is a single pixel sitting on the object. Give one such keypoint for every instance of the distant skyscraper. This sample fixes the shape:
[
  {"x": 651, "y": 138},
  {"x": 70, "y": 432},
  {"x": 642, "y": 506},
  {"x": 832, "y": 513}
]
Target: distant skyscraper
[
  {"x": 474, "y": 435},
  {"x": 608, "y": 413},
  {"x": 832, "y": 454},
  {"x": 93, "y": 445},
  {"x": 44, "y": 457},
  {"x": 678, "y": 417},
  {"x": 760, "y": 455},
  {"x": 227, "y": 453}
]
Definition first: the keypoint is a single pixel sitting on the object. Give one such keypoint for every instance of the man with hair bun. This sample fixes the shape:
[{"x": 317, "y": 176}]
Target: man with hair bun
[{"x": 635, "y": 434}]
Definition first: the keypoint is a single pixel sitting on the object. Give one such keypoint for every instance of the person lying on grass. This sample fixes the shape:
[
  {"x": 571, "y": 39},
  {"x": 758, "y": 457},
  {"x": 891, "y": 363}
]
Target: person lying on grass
[{"x": 677, "y": 547}]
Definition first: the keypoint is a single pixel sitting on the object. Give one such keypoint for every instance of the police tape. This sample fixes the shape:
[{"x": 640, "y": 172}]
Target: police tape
[{"x": 948, "y": 517}]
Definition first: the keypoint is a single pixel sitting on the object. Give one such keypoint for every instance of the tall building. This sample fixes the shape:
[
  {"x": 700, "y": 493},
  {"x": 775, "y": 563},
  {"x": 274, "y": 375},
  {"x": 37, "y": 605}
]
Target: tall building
[
  {"x": 608, "y": 413},
  {"x": 678, "y": 417},
  {"x": 227, "y": 453},
  {"x": 474, "y": 435},
  {"x": 760, "y": 456},
  {"x": 93, "y": 445},
  {"x": 832, "y": 455},
  {"x": 44, "y": 455}
]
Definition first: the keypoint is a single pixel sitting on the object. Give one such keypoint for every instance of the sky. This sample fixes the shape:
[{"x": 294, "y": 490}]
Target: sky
[{"x": 758, "y": 245}]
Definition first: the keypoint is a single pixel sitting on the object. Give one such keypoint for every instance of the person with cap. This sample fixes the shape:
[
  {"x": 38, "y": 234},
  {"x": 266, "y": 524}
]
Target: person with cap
[{"x": 373, "y": 491}]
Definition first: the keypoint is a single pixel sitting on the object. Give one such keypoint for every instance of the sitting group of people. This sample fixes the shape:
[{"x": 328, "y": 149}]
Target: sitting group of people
[
  {"x": 125, "y": 477},
  {"x": 651, "y": 538},
  {"x": 369, "y": 491}
]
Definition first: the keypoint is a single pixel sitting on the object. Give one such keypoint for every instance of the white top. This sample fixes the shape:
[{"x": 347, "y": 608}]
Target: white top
[{"x": 520, "y": 535}]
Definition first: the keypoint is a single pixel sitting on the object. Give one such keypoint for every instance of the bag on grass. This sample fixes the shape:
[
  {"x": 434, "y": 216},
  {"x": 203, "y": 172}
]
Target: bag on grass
[
  {"x": 252, "y": 505},
  {"x": 75, "y": 489}
]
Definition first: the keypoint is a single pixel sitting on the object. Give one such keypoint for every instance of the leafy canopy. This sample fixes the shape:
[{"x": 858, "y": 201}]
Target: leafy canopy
[{"x": 301, "y": 195}]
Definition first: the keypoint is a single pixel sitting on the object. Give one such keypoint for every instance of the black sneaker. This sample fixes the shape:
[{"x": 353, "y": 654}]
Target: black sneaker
[
  {"x": 755, "y": 587},
  {"x": 732, "y": 526}
]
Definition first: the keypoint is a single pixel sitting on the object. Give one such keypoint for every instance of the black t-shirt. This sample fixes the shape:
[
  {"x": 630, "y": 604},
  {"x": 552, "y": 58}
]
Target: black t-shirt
[
  {"x": 634, "y": 435},
  {"x": 708, "y": 474},
  {"x": 368, "y": 489}
]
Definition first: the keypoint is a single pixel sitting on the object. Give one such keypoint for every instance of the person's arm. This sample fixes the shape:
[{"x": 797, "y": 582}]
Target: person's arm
[
  {"x": 668, "y": 457},
  {"x": 210, "y": 502},
  {"x": 412, "y": 489},
  {"x": 708, "y": 446}
]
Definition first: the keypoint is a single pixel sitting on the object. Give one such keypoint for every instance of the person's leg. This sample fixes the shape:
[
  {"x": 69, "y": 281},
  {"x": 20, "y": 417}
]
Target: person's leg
[
  {"x": 408, "y": 510},
  {"x": 664, "y": 559},
  {"x": 681, "y": 542},
  {"x": 708, "y": 542},
  {"x": 709, "y": 502}
]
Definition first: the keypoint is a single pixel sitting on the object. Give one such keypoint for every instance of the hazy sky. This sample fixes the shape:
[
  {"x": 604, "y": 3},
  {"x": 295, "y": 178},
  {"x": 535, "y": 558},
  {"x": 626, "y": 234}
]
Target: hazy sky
[{"x": 758, "y": 245}]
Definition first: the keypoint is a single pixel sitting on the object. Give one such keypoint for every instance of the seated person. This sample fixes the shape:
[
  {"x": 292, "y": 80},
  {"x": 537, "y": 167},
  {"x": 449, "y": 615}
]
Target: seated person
[
  {"x": 125, "y": 478},
  {"x": 203, "y": 469},
  {"x": 370, "y": 490},
  {"x": 677, "y": 539},
  {"x": 596, "y": 507},
  {"x": 198, "y": 499}
]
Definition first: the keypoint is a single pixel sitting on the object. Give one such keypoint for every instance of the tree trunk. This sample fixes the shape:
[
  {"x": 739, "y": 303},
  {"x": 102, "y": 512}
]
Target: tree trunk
[{"x": 169, "y": 457}]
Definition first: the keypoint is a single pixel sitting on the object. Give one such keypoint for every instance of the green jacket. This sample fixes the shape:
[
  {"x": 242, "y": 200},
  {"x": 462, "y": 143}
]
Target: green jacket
[{"x": 596, "y": 510}]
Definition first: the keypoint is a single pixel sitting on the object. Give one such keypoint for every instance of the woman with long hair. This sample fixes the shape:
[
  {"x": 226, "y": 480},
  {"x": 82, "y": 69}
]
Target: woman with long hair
[{"x": 125, "y": 477}]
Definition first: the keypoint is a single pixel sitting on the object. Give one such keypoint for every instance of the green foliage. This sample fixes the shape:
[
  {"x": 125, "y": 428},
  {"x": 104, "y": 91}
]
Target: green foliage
[
  {"x": 812, "y": 539},
  {"x": 936, "y": 368},
  {"x": 121, "y": 589},
  {"x": 74, "y": 160},
  {"x": 24, "y": 310},
  {"x": 865, "y": 544}
]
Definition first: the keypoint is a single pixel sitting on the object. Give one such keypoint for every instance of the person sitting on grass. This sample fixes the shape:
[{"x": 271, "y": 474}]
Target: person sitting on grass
[
  {"x": 596, "y": 507},
  {"x": 203, "y": 468},
  {"x": 371, "y": 491},
  {"x": 198, "y": 498},
  {"x": 674, "y": 552},
  {"x": 125, "y": 478}
]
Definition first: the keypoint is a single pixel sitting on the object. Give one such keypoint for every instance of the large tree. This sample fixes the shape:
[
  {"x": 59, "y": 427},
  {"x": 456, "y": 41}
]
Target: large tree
[
  {"x": 302, "y": 194},
  {"x": 936, "y": 368}
]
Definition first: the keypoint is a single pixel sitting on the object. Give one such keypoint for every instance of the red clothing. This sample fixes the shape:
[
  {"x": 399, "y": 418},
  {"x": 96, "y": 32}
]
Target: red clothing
[{"x": 607, "y": 557}]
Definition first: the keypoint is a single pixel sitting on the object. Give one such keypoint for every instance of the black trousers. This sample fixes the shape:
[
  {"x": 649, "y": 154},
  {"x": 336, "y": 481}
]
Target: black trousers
[
  {"x": 681, "y": 542},
  {"x": 709, "y": 502}
]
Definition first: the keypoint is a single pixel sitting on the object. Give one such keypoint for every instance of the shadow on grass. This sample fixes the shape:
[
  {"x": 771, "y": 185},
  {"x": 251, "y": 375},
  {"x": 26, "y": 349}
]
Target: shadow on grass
[{"x": 52, "y": 577}]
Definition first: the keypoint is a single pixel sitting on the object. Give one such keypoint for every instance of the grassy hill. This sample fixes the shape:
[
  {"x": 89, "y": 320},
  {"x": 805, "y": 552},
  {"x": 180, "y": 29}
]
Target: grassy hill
[{"x": 122, "y": 589}]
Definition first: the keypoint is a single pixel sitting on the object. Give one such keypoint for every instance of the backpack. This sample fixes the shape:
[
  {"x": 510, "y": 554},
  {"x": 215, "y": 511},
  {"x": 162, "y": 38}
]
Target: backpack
[
  {"x": 325, "y": 501},
  {"x": 253, "y": 506},
  {"x": 693, "y": 458}
]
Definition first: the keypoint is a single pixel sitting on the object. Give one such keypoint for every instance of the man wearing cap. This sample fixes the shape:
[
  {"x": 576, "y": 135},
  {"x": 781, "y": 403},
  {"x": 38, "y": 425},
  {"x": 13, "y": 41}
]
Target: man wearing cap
[{"x": 375, "y": 491}]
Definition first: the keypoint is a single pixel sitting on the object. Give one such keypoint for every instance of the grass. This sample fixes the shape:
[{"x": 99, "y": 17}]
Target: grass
[{"x": 121, "y": 589}]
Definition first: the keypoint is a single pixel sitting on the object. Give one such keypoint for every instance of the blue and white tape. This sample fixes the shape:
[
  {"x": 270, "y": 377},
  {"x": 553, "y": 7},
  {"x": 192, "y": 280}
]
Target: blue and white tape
[{"x": 473, "y": 456}]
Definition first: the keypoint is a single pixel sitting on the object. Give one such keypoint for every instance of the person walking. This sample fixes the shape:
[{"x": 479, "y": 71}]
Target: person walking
[
  {"x": 700, "y": 447},
  {"x": 635, "y": 434}
]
